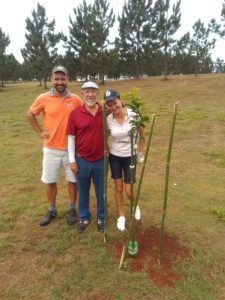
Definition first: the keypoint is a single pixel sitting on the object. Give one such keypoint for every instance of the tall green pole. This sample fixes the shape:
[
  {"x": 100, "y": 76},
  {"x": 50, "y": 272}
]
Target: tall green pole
[
  {"x": 145, "y": 160},
  {"x": 105, "y": 168},
  {"x": 132, "y": 166},
  {"x": 167, "y": 179},
  {"x": 131, "y": 233}
]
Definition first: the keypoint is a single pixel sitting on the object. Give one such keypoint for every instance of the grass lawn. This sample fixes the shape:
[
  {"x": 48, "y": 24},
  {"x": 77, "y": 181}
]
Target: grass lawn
[{"x": 56, "y": 262}]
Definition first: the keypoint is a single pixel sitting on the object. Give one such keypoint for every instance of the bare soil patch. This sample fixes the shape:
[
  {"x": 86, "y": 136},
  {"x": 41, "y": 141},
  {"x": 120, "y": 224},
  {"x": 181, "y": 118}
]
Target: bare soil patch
[{"x": 147, "y": 260}]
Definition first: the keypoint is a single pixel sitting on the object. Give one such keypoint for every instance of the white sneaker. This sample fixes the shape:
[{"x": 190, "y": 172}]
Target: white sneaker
[
  {"x": 137, "y": 215},
  {"x": 121, "y": 223}
]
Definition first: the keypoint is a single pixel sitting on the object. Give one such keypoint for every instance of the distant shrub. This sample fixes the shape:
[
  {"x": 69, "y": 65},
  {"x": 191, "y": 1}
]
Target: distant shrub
[{"x": 131, "y": 96}]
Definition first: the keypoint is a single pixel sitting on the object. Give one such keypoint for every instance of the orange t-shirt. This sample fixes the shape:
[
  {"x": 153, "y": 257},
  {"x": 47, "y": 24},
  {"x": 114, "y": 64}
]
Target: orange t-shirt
[{"x": 56, "y": 112}]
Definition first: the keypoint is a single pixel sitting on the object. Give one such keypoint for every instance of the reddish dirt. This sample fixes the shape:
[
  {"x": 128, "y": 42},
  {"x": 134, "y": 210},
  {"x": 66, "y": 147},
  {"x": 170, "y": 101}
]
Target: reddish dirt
[{"x": 147, "y": 259}]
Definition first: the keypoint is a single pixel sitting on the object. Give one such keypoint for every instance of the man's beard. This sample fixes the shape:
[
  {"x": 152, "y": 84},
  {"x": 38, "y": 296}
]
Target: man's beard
[
  {"x": 60, "y": 88},
  {"x": 90, "y": 103}
]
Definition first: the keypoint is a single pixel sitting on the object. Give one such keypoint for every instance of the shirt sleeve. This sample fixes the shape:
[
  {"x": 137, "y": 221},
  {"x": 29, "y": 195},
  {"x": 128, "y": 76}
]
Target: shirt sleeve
[
  {"x": 71, "y": 148},
  {"x": 37, "y": 106},
  {"x": 71, "y": 126}
]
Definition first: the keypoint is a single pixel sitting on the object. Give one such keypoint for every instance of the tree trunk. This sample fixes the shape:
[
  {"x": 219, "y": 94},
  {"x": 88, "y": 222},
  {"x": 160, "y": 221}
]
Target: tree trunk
[
  {"x": 102, "y": 79},
  {"x": 137, "y": 69},
  {"x": 166, "y": 68},
  {"x": 45, "y": 83},
  {"x": 196, "y": 68}
]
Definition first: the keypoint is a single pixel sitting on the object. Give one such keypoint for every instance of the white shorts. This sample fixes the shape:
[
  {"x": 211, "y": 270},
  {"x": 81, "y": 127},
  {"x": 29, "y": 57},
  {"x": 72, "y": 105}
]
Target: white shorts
[{"x": 53, "y": 159}]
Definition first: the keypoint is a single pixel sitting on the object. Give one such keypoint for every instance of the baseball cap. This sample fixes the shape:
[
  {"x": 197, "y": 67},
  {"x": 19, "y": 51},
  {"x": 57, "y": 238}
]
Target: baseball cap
[
  {"x": 90, "y": 85},
  {"x": 61, "y": 69},
  {"x": 111, "y": 95}
]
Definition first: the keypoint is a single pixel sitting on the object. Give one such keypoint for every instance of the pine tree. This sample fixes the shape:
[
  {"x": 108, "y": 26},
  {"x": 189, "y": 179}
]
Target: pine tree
[
  {"x": 40, "y": 49},
  {"x": 219, "y": 66},
  {"x": 13, "y": 70},
  {"x": 219, "y": 28},
  {"x": 89, "y": 37},
  {"x": 102, "y": 22},
  {"x": 134, "y": 31},
  {"x": 80, "y": 41},
  {"x": 112, "y": 64},
  {"x": 4, "y": 42},
  {"x": 167, "y": 26},
  {"x": 201, "y": 46},
  {"x": 222, "y": 31},
  {"x": 182, "y": 59}
]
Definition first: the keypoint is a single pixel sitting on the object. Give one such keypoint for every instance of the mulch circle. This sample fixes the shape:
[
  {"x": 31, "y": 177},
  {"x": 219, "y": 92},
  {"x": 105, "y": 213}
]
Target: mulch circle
[{"x": 147, "y": 259}]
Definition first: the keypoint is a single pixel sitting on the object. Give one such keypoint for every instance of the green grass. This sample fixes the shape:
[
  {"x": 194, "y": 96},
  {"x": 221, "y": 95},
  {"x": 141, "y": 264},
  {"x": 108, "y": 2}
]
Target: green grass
[
  {"x": 219, "y": 212},
  {"x": 58, "y": 263}
]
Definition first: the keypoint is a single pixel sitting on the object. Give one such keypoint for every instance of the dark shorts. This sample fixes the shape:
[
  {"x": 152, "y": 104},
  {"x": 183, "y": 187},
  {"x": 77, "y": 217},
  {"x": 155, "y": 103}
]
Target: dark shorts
[{"x": 120, "y": 167}]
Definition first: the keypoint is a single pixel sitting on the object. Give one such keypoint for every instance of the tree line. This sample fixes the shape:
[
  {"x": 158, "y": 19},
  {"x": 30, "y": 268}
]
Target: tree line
[{"x": 145, "y": 45}]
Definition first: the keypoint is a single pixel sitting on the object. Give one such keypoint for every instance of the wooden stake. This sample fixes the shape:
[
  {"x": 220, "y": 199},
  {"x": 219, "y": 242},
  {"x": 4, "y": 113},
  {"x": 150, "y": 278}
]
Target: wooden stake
[{"x": 167, "y": 180}]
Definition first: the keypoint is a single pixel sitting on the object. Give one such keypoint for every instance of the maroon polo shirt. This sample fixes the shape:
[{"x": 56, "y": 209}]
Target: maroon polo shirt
[{"x": 89, "y": 132}]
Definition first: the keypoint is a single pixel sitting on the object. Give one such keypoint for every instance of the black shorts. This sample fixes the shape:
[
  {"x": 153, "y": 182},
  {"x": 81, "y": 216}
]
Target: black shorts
[{"x": 120, "y": 167}]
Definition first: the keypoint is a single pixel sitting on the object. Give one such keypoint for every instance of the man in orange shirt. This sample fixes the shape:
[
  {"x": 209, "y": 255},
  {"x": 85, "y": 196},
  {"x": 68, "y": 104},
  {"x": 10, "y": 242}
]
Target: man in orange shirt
[{"x": 55, "y": 106}]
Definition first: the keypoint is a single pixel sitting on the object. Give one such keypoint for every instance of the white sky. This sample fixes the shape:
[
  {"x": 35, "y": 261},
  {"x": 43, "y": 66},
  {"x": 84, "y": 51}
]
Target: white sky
[{"x": 14, "y": 12}]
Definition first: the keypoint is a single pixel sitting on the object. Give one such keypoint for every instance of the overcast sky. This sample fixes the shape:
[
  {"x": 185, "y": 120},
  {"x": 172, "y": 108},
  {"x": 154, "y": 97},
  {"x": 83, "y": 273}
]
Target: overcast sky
[{"x": 14, "y": 12}]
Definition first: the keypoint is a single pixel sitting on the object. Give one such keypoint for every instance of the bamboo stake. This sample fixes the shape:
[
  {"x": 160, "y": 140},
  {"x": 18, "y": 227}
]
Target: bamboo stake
[
  {"x": 132, "y": 166},
  {"x": 105, "y": 169},
  {"x": 145, "y": 161},
  {"x": 167, "y": 179},
  {"x": 130, "y": 233}
]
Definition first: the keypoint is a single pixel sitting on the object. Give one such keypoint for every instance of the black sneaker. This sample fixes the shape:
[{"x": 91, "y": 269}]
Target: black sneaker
[
  {"x": 50, "y": 215},
  {"x": 101, "y": 225},
  {"x": 83, "y": 224},
  {"x": 72, "y": 217}
]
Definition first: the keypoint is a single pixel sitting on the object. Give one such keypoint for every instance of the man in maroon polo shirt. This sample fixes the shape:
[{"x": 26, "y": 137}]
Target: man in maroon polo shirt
[{"x": 86, "y": 153}]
